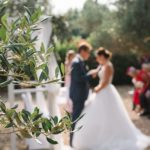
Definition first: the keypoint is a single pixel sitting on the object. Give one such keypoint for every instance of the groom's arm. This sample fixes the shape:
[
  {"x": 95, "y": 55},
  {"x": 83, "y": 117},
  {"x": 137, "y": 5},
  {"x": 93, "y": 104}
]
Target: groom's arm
[{"x": 78, "y": 74}]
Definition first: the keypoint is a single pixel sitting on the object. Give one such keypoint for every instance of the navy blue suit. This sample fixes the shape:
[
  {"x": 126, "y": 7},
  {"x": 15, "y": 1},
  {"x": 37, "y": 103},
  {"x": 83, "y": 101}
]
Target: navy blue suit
[{"x": 79, "y": 88}]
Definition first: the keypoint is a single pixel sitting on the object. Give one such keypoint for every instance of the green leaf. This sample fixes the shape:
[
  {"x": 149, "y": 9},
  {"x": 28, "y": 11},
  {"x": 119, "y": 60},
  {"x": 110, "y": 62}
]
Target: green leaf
[
  {"x": 62, "y": 68},
  {"x": 19, "y": 137},
  {"x": 35, "y": 113},
  {"x": 33, "y": 69},
  {"x": 44, "y": 126},
  {"x": 9, "y": 125},
  {"x": 27, "y": 18},
  {"x": 36, "y": 110},
  {"x": 41, "y": 66},
  {"x": 4, "y": 62},
  {"x": 37, "y": 134},
  {"x": 30, "y": 53},
  {"x": 10, "y": 113},
  {"x": 34, "y": 39},
  {"x": 3, "y": 33},
  {"x": 44, "y": 74},
  {"x": 4, "y": 20},
  {"x": 25, "y": 115},
  {"x": 3, "y": 107},
  {"x": 50, "y": 49},
  {"x": 45, "y": 19},
  {"x": 18, "y": 120},
  {"x": 76, "y": 130},
  {"x": 25, "y": 133},
  {"x": 37, "y": 117},
  {"x": 58, "y": 129},
  {"x": 15, "y": 106},
  {"x": 57, "y": 72},
  {"x": 35, "y": 16},
  {"x": 55, "y": 119},
  {"x": 69, "y": 115},
  {"x": 79, "y": 118},
  {"x": 47, "y": 125},
  {"x": 42, "y": 48},
  {"x": 51, "y": 141},
  {"x": 27, "y": 10},
  {"x": 26, "y": 112}
]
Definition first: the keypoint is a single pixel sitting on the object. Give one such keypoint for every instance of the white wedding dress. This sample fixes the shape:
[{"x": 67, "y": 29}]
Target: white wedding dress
[{"x": 106, "y": 124}]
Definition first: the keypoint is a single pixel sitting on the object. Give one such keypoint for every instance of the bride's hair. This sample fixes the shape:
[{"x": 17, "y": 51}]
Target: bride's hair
[{"x": 104, "y": 52}]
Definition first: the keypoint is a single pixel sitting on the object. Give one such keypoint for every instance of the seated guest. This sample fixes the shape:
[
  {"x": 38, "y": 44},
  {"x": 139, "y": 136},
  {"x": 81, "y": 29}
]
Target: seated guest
[
  {"x": 145, "y": 94},
  {"x": 68, "y": 62},
  {"x": 138, "y": 84}
]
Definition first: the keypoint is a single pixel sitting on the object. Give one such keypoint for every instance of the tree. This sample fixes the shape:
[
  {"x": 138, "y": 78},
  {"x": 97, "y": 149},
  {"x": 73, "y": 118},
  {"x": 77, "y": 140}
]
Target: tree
[
  {"x": 16, "y": 7},
  {"x": 17, "y": 45},
  {"x": 134, "y": 17},
  {"x": 60, "y": 29},
  {"x": 85, "y": 22},
  {"x": 72, "y": 17},
  {"x": 91, "y": 17}
]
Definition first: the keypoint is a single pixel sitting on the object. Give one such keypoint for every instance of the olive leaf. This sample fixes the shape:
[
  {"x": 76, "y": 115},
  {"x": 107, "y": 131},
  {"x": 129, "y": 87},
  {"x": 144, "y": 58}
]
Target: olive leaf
[{"x": 51, "y": 141}]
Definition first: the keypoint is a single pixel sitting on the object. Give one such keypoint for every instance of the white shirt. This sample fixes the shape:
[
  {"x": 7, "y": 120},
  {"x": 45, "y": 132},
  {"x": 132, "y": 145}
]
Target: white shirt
[{"x": 80, "y": 57}]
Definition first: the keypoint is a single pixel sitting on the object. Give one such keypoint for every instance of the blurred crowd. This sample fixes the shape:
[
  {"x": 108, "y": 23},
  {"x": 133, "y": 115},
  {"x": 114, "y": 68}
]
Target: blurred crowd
[
  {"x": 141, "y": 96},
  {"x": 140, "y": 79}
]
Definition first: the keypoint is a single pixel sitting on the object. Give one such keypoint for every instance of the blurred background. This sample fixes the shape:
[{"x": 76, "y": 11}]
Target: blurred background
[{"x": 122, "y": 26}]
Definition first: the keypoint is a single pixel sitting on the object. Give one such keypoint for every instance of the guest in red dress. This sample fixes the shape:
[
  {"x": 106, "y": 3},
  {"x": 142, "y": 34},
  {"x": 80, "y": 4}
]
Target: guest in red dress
[
  {"x": 139, "y": 84},
  {"x": 145, "y": 102}
]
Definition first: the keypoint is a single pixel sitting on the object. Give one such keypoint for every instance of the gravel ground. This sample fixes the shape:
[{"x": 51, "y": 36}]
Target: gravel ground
[{"x": 142, "y": 123}]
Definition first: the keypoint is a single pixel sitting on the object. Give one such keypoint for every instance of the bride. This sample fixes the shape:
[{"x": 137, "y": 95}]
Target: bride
[{"x": 106, "y": 124}]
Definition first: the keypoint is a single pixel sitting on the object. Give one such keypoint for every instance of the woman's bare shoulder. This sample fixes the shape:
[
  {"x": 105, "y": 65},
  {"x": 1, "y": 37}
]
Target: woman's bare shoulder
[{"x": 109, "y": 66}]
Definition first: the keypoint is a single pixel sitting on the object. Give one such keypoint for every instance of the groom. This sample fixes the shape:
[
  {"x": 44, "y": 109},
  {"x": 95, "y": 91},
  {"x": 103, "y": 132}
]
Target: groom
[{"x": 79, "y": 88}]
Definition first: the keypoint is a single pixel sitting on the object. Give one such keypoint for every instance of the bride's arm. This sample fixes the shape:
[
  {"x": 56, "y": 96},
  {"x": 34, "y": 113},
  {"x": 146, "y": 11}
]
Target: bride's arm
[
  {"x": 94, "y": 71},
  {"x": 108, "y": 71}
]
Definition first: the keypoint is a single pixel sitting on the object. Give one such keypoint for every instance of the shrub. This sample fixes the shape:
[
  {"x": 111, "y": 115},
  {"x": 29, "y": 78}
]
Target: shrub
[
  {"x": 121, "y": 62},
  {"x": 62, "y": 48}
]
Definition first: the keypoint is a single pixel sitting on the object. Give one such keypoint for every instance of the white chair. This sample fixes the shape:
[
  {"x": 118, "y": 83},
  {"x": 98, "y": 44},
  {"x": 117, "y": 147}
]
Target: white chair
[
  {"x": 41, "y": 104},
  {"x": 48, "y": 106}
]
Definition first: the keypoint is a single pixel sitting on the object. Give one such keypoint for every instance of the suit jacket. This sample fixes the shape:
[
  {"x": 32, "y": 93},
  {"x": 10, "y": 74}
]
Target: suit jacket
[{"x": 79, "y": 88}]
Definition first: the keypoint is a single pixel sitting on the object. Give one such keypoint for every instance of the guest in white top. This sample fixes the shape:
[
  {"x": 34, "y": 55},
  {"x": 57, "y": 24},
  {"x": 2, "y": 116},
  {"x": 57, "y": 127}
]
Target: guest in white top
[{"x": 69, "y": 57}]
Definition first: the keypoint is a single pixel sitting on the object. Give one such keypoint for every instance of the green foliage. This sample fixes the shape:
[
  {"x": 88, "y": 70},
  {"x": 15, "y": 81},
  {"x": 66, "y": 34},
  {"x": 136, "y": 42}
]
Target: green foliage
[
  {"x": 72, "y": 17},
  {"x": 121, "y": 63},
  {"x": 32, "y": 125},
  {"x": 85, "y": 22},
  {"x": 134, "y": 20},
  {"x": 19, "y": 60},
  {"x": 125, "y": 29},
  {"x": 60, "y": 29},
  {"x": 91, "y": 17},
  {"x": 136, "y": 17},
  {"x": 15, "y": 8},
  {"x": 62, "y": 48},
  {"x": 18, "y": 56}
]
